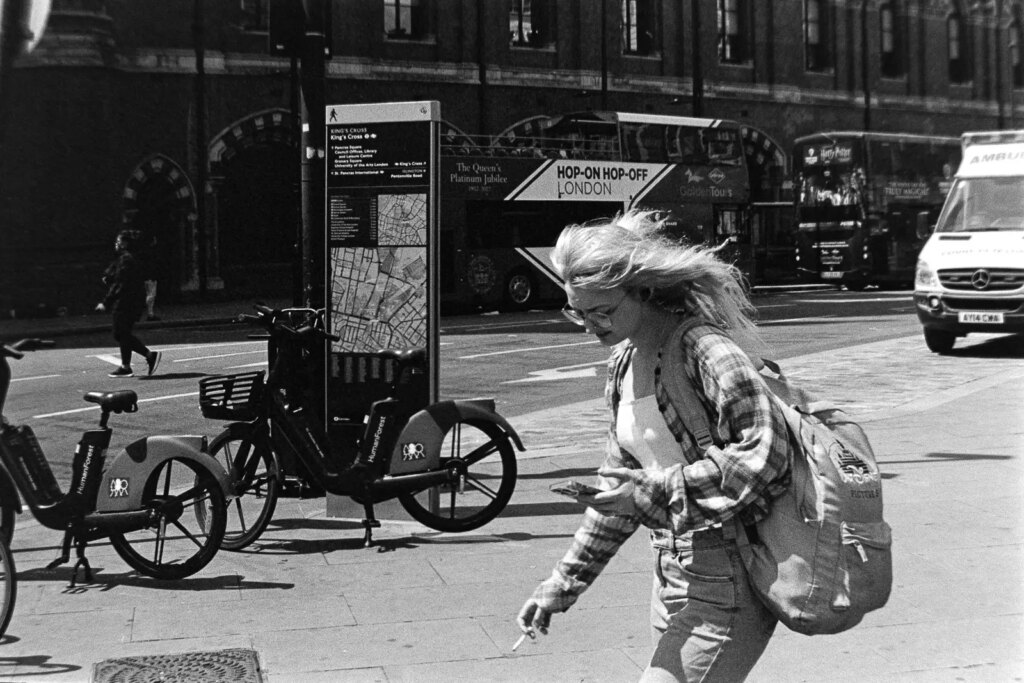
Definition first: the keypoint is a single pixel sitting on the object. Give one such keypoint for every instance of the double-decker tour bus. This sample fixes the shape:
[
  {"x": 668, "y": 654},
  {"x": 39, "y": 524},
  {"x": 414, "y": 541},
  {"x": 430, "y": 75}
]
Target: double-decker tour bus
[
  {"x": 505, "y": 200},
  {"x": 858, "y": 199}
]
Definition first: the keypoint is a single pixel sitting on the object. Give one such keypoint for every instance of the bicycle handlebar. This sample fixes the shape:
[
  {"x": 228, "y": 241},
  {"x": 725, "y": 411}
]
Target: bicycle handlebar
[
  {"x": 267, "y": 318},
  {"x": 32, "y": 344}
]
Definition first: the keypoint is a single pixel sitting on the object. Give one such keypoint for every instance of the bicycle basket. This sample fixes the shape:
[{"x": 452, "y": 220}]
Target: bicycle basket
[{"x": 231, "y": 397}]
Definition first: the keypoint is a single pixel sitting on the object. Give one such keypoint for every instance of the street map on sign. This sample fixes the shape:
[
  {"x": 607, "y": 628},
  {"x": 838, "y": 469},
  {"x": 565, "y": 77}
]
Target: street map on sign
[
  {"x": 402, "y": 219},
  {"x": 379, "y": 294}
]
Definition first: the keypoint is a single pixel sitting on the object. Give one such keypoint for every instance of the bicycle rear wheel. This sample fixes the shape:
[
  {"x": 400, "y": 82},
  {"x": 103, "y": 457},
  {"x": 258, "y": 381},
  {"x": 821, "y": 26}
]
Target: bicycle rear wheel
[
  {"x": 256, "y": 477},
  {"x": 8, "y": 586},
  {"x": 176, "y": 544},
  {"x": 483, "y": 452}
]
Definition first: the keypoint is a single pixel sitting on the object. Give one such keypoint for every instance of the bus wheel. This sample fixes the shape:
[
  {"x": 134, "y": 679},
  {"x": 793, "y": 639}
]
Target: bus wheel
[
  {"x": 939, "y": 341},
  {"x": 520, "y": 289}
]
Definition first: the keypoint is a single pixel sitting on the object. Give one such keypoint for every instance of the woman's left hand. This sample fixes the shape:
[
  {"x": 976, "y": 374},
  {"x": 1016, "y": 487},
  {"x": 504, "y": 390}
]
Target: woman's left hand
[{"x": 618, "y": 500}]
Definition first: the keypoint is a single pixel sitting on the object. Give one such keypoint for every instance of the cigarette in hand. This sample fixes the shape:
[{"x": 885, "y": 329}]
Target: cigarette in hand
[{"x": 519, "y": 642}]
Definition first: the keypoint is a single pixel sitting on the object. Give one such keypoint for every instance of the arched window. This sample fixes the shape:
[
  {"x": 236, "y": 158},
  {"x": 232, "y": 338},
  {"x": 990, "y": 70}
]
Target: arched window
[
  {"x": 639, "y": 27},
  {"x": 891, "y": 40},
  {"x": 817, "y": 35},
  {"x": 734, "y": 31},
  {"x": 956, "y": 48},
  {"x": 530, "y": 23}
]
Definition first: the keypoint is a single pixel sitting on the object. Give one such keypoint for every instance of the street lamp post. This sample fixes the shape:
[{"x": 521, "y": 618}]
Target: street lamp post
[
  {"x": 198, "y": 43},
  {"x": 312, "y": 79},
  {"x": 865, "y": 63}
]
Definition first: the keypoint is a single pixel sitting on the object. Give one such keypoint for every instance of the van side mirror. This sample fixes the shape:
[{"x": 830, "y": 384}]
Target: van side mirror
[{"x": 923, "y": 228}]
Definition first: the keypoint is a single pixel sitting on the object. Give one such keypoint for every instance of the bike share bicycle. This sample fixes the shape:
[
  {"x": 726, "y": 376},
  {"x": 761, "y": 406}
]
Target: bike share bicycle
[
  {"x": 146, "y": 499},
  {"x": 461, "y": 451}
]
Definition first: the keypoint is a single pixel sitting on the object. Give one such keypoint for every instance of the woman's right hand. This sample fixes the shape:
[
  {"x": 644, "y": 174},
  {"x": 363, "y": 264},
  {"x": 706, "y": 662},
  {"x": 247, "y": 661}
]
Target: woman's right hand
[{"x": 532, "y": 618}]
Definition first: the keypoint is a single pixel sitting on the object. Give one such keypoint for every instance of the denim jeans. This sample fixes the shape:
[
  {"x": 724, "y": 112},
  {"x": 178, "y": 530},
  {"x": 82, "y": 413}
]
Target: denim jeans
[{"x": 706, "y": 623}]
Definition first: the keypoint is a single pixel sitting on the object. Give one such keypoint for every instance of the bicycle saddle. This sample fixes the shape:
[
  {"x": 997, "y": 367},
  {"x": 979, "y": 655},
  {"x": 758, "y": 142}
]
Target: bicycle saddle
[
  {"x": 125, "y": 401},
  {"x": 405, "y": 356}
]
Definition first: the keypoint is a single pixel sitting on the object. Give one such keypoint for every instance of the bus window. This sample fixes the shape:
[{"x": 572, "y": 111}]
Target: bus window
[{"x": 644, "y": 142}]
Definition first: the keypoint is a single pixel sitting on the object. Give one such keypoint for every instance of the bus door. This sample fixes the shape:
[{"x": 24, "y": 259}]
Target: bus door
[
  {"x": 732, "y": 228},
  {"x": 773, "y": 242}
]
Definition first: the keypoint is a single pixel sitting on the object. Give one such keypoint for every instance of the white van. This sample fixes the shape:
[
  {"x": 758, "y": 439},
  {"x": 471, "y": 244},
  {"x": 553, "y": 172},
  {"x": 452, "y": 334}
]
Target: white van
[{"x": 970, "y": 273}]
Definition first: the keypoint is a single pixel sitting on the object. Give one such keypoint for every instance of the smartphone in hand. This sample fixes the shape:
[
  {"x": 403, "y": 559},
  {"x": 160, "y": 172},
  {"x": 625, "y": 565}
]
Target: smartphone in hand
[{"x": 574, "y": 489}]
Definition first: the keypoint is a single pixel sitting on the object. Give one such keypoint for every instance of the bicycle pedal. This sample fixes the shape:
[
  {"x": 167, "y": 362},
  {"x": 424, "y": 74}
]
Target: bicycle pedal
[{"x": 63, "y": 559}]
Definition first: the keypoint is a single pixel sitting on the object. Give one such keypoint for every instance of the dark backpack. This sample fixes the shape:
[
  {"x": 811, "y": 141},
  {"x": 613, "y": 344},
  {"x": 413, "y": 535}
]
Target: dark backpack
[{"x": 822, "y": 558}]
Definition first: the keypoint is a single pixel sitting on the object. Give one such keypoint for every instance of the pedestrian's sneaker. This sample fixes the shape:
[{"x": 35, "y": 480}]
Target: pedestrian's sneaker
[
  {"x": 122, "y": 372},
  {"x": 153, "y": 360}
]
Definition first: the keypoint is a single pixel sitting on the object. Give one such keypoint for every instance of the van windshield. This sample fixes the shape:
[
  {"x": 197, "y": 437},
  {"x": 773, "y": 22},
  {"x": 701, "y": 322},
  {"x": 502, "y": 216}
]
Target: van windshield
[{"x": 984, "y": 205}]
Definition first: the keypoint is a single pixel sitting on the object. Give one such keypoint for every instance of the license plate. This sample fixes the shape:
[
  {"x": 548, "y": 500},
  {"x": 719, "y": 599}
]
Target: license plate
[
  {"x": 980, "y": 318},
  {"x": 831, "y": 275}
]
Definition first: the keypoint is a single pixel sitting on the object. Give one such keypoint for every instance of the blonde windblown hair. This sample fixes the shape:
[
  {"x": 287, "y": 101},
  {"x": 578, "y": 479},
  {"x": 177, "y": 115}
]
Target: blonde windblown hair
[{"x": 634, "y": 252}]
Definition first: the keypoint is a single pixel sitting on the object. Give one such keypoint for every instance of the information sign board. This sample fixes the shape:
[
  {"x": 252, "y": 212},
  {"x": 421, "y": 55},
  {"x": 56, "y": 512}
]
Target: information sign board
[{"x": 381, "y": 237}]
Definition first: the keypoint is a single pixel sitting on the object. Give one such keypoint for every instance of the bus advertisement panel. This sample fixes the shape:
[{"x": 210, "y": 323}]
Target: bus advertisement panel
[
  {"x": 501, "y": 215},
  {"x": 859, "y": 200}
]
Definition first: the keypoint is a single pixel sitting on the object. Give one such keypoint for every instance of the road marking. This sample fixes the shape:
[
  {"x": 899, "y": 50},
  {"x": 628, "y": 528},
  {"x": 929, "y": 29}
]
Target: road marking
[
  {"x": 221, "y": 355},
  {"x": 447, "y": 329},
  {"x": 565, "y": 372},
  {"x": 852, "y": 301},
  {"x": 109, "y": 358},
  {"x": 786, "y": 321},
  {"x": 26, "y": 379},
  {"x": 527, "y": 349},
  {"x": 262, "y": 363},
  {"x": 95, "y": 407}
]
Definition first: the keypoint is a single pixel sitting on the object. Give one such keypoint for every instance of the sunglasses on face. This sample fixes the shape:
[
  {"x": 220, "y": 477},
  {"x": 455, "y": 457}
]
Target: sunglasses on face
[{"x": 599, "y": 320}]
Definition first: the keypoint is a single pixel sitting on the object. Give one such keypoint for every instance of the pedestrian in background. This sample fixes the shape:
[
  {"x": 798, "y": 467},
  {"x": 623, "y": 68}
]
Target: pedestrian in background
[
  {"x": 126, "y": 299},
  {"x": 149, "y": 256},
  {"x": 631, "y": 286}
]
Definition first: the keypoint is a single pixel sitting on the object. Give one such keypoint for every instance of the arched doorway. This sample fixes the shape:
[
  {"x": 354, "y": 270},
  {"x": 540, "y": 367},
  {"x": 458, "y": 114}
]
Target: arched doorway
[
  {"x": 254, "y": 180},
  {"x": 159, "y": 200},
  {"x": 772, "y": 231}
]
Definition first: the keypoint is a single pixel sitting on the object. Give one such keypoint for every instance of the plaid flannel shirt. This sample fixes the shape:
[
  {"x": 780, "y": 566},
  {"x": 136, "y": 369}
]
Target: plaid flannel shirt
[{"x": 740, "y": 476}]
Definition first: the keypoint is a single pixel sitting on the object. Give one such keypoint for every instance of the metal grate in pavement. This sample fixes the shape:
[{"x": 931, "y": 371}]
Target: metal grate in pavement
[{"x": 221, "y": 666}]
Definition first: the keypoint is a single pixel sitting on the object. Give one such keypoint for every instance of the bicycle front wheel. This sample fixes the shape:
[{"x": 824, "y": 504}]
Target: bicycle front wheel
[
  {"x": 9, "y": 586},
  {"x": 256, "y": 477},
  {"x": 176, "y": 544},
  {"x": 483, "y": 453}
]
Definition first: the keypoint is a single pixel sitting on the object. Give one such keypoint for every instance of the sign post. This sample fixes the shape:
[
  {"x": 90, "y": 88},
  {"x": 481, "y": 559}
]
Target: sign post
[{"x": 381, "y": 258}]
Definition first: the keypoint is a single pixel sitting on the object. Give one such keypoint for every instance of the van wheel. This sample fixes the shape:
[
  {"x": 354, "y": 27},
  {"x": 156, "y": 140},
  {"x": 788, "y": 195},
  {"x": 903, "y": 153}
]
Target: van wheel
[
  {"x": 520, "y": 290},
  {"x": 939, "y": 341}
]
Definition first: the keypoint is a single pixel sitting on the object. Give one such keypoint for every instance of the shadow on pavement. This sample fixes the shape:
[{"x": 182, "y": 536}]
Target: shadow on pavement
[
  {"x": 957, "y": 457},
  {"x": 39, "y": 662},
  {"x": 1010, "y": 346},
  {"x": 173, "y": 375},
  {"x": 104, "y": 581},
  {"x": 561, "y": 474}
]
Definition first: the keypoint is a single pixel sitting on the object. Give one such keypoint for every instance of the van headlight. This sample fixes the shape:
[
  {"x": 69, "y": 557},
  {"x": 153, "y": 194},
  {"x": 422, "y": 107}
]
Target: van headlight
[{"x": 925, "y": 278}]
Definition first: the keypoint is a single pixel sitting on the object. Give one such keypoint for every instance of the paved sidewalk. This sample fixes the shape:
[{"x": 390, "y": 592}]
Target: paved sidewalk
[{"x": 425, "y": 606}]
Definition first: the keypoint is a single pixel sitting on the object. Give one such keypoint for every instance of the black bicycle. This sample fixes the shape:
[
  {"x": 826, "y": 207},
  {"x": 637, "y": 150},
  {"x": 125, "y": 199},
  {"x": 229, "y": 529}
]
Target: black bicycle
[
  {"x": 146, "y": 499},
  {"x": 451, "y": 465}
]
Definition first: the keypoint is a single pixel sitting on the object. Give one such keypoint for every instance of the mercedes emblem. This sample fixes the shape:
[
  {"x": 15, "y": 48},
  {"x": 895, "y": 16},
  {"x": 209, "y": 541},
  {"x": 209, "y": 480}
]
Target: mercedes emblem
[{"x": 980, "y": 279}]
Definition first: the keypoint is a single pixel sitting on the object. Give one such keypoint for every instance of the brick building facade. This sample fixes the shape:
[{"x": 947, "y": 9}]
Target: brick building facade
[{"x": 108, "y": 124}]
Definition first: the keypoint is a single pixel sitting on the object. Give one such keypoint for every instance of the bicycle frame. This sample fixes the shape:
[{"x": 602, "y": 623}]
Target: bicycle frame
[
  {"x": 102, "y": 500},
  {"x": 400, "y": 449}
]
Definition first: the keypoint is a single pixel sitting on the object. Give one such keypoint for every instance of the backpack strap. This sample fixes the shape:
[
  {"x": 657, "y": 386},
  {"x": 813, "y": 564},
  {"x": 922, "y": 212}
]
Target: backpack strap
[{"x": 681, "y": 392}]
